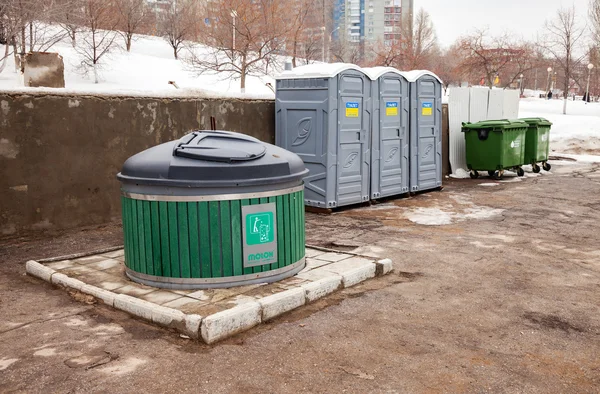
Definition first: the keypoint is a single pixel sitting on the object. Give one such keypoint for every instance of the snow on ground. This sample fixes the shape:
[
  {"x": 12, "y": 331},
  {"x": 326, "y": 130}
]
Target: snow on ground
[
  {"x": 146, "y": 71},
  {"x": 463, "y": 209},
  {"x": 578, "y": 132}
]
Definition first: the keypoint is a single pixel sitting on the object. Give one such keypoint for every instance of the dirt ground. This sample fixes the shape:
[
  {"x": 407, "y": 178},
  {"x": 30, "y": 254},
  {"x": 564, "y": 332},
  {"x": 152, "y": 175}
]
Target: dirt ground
[{"x": 504, "y": 297}]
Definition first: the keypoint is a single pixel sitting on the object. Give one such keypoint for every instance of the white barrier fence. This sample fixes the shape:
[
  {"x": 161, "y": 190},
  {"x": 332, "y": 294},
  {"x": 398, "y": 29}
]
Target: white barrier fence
[{"x": 474, "y": 105}]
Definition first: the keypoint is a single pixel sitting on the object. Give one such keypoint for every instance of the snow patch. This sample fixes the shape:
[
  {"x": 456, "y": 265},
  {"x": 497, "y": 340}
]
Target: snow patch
[{"x": 460, "y": 174}]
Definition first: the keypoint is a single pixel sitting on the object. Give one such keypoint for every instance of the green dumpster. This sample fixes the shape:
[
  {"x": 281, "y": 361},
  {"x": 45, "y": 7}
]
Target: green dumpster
[
  {"x": 495, "y": 146},
  {"x": 537, "y": 143},
  {"x": 213, "y": 209}
]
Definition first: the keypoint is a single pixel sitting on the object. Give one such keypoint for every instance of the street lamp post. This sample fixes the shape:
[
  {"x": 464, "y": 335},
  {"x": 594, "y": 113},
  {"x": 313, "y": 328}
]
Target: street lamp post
[
  {"x": 587, "y": 90},
  {"x": 323, "y": 28},
  {"x": 330, "y": 39},
  {"x": 548, "y": 88},
  {"x": 233, "y": 15},
  {"x": 521, "y": 84}
]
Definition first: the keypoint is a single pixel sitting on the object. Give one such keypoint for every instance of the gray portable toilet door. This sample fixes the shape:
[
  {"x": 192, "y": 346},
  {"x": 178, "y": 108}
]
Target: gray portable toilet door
[
  {"x": 353, "y": 161},
  {"x": 427, "y": 146},
  {"x": 393, "y": 137}
]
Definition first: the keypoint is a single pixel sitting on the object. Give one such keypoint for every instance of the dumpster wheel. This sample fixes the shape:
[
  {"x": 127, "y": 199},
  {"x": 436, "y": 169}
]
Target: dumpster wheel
[
  {"x": 520, "y": 172},
  {"x": 536, "y": 168},
  {"x": 474, "y": 174},
  {"x": 547, "y": 166},
  {"x": 498, "y": 175}
]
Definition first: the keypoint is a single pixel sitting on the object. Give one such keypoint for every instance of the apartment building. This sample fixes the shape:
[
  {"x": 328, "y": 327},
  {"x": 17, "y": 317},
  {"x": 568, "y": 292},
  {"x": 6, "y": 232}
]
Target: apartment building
[{"x": 371, "y": 21}]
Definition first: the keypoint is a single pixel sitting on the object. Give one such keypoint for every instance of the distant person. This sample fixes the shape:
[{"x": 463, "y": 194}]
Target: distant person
[{"x": 550, "y": 95}]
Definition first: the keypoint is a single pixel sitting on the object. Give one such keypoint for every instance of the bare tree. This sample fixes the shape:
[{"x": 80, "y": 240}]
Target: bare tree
[
  {"x": 595, "y": 20},
  {"x": 446, "y": 66},
  {"x": 345, "y": 51},
  {"x": 248, "y": 35},
  {"x": 495, "y": 60},
  {"x": 413, "y": 50},
  {"x": 70, "y": 17},
  {"x": 132, "y": 16},
  {"x": 26, "y": 26},
  {"x": 300, "y": 11},
  {"x": 178, "y": 23},
  {"x": 98, "y": 34},
  {"x": 563, "y": 42}
]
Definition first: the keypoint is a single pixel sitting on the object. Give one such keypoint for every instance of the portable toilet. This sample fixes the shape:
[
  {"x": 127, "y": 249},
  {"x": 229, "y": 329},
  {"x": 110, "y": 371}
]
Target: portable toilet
[
  {"x": 389, "y": 132},
  {"x": 425, "y": 130},
  {"x": 323, "y": 114}
]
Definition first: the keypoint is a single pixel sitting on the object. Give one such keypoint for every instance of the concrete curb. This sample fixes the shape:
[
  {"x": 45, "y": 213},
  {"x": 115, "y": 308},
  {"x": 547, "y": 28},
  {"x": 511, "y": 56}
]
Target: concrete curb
[
  {"x": 322, "y": 287},
  {"x": 221, "y": 325},
  {"x": 232, "y": 321},
  {"x": 358, "y": 275},
  {"x": 280, "y": 303},
  {"x": 384, "y": 267}
]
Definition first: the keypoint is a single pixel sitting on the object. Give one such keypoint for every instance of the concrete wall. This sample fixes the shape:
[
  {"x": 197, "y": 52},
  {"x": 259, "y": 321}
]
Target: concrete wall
[{"x": 59, "y": 154}]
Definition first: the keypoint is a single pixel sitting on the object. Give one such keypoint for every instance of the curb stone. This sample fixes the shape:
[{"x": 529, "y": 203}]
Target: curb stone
[
  {"x": 358, "y": 275},
  {"x": 280, "y": 303},
  {"x": 223, "y": 324},
  {"x": 192, "y": 326},
  {"x": 135, "y": 306},
  {"x": 108, "y": 297},
  {"x": 384, "y": 266},
  {"x": 38, "y": 270},
  {"x": 322, "y": 287},
  {"x": 66, "y": 281},
  {"x": 229, "y": 322}
]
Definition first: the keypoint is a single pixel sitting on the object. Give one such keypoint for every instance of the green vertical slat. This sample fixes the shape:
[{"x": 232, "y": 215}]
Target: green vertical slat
[
  {"x": 286, "y": 224},
  {"x": 126, "y": 230},
  {"x": 165, "y": 250},
  {"x": 215, "y": 239},
  {"x": 299, "y": 229},
  {"x": 148, "y": 238},
  {"x": 247, "y": 270},
  {"x": 135, "y": 245},
  {"x": 258, "y": 268},
  {"x": 184, "y": 239},
  {"x": 275, "y": 265},
  {"x": 156, "y": 247},
  {"x": 236, "y": 238},
  {"x": 124, "y": 223},
  {"x": 141, "y": 236},
  {"x": 204, "y": 239},
  {"x": 174, "y": 239},
  {"x": 303, "y": 223},
  {"x": 293, "y": 225},
  {"x": 280, "y": 233},
  {"x": 194, "y": 240},
  {"x": 226, "y": 238}
]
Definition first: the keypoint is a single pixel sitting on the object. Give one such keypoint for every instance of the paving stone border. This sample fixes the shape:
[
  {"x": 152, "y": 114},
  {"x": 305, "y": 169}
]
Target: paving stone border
[{"x": 220, "y": 325}]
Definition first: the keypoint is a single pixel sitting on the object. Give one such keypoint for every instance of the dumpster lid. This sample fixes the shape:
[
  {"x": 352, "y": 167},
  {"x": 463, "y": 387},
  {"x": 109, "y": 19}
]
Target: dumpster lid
[
  {"x": 375, "y": 72},
  {"x": 219, "y": 146},
  {"x": 413, "y": 76},
  {"x": 536, "y": 121},
  {"x": 213, "y": 159},
  {"x": 319, "y": 70},
  {"x": 491, "y": 124}
]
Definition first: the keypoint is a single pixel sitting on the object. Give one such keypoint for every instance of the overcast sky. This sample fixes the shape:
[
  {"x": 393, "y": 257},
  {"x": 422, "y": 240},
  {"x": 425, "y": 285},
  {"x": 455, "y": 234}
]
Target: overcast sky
[{"x": 453, "y": 18}]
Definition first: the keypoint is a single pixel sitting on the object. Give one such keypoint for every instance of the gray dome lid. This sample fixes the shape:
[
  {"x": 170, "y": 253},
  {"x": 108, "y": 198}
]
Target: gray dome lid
[{"x": 213, "y": 159}]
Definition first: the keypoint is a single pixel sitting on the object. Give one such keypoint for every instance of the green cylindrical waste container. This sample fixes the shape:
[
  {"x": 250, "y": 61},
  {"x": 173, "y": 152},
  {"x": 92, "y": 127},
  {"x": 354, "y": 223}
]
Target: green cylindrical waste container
[
  {"x": 213, "y": 209},
  {"x": 537, "y": 143},
  {"x": 495, "y": 146}
]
